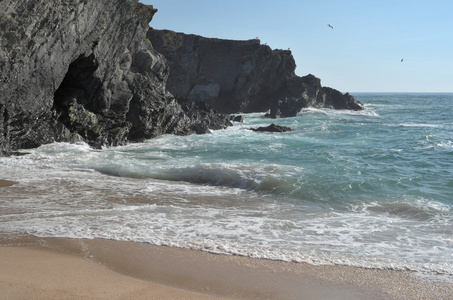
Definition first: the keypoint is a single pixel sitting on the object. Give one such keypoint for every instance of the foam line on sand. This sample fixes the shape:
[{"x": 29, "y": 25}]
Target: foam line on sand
[{"x": 103, "y": 269}]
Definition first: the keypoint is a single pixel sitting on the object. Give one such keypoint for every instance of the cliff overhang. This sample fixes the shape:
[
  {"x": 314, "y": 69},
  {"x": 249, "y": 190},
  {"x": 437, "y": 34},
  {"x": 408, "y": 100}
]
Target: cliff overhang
[{"x": 78, "y": 70}]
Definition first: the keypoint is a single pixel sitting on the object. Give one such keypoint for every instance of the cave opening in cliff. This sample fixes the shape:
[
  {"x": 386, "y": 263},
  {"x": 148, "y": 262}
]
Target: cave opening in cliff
[{"x": 78, "y": 86}]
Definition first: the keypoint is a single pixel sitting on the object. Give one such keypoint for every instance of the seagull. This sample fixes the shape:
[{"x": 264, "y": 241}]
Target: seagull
[
  {"x": 330, "y": 26},
  {"x": 402, "y": 59}
]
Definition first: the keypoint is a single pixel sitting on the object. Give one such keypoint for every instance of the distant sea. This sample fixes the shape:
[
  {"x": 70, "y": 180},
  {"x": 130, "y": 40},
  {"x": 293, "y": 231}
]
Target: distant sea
[{"x": 371, "y": 188}]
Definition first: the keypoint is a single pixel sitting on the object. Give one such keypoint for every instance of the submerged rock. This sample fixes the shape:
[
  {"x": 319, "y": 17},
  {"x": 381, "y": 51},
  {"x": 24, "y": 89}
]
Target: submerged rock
[
  {"x": 272, "y": 128},
  {"x": 241, "y": 76},
  {"x": 78, "y": 70}
]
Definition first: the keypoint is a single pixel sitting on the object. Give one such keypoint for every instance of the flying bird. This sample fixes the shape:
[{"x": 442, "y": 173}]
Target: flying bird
[
  {"x": 330, "y": 26},
  {"x": 402, "y": 59}
]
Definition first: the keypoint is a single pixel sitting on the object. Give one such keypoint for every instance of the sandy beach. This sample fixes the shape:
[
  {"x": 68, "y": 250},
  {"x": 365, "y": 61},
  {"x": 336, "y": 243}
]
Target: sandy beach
[
  {"x": 32, "y": 273},
  {"x": 50, "y": 268},
  {"x": 62, "y": 268}
]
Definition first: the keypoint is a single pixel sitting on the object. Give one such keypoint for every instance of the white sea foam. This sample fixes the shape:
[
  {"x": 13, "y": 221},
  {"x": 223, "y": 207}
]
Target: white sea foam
[
  {"x": 224, "y": 221},
  {"x": 420, "y": 125},
  {"x": 445, "y": 144},
  {"x": 342, "y": 188},
  {"x": 334, "y": 112},
  {"x": 263, "y": 229}
]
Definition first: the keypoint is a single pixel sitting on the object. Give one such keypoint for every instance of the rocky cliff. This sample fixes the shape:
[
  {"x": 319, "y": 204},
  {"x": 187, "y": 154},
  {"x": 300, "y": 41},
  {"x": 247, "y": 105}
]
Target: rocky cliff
[
  {"x": 78, "y": 70},
  {"x": 93, "y": 71},
  {"x": 241, "y": 76}
]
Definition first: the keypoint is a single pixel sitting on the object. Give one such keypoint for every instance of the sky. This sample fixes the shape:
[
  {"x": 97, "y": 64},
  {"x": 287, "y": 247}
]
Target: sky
[{"x": 363, "y": 51}]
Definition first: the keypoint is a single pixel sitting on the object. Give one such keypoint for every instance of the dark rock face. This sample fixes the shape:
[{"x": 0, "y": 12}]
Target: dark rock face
[
  {"x": 203, "y": 118},
  {"x": 83, "y": 70},
  {"x": 272, "y": 128},
  {"x": 231, "y": 76},
  {"x": 307, "y": 91},
  {"x": 241, "y": 76}
]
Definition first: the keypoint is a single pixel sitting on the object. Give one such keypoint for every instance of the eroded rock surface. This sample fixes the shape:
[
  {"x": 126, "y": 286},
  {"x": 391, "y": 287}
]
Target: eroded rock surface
[
  {"x": 93, "y": 71},
  {"x": 241, "y": 76},
  {"x": 77, "y": 70}
]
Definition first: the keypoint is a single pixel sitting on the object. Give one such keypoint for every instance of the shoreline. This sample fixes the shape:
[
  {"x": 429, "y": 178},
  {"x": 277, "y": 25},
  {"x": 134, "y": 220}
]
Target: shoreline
[{"x": 192, "y": 274}]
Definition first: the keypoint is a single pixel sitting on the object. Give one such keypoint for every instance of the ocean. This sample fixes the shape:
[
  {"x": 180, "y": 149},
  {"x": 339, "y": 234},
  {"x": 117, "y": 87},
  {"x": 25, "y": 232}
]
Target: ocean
[{"x": 371, "y": 188}]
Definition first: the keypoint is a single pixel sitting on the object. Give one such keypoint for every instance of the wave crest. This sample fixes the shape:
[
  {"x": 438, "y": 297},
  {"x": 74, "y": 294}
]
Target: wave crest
[
  {"x": 276, "y": 179},
  {"x": 270, "y": 178}
]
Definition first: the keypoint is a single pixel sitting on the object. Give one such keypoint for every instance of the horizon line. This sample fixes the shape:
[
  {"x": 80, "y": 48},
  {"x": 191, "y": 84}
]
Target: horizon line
[{"x": 401, "y": 92}]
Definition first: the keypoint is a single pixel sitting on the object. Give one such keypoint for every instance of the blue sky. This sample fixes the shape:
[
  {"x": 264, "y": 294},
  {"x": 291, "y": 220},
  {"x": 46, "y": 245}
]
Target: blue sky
[{"x": 361, "y": 54}]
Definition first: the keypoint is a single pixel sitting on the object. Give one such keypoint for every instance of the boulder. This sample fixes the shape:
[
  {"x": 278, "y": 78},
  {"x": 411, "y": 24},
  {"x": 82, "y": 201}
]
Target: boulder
[{"x": 238, "y": 119}]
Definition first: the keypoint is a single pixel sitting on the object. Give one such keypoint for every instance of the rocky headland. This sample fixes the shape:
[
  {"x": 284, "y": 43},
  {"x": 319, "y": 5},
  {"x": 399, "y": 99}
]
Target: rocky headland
[
  {"x": 241, "y": 76},
  {"x": 94, "y": 71}
]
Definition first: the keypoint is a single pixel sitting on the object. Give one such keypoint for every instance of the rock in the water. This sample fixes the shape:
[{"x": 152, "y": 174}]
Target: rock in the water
[
  {"x": 307, "y": 92},
  {"x": 241, "y": 76},
  {"x": 203, "y": 118},
  {"x": 239, "y": 119},
  {"x": 77, "y": 70},
  {"x": 272, "y": 128}
]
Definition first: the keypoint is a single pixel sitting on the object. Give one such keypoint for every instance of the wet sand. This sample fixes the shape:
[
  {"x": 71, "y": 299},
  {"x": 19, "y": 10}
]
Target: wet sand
[
  {"x": 43, "y": 268},
  {"x": 6, "y": 183}
]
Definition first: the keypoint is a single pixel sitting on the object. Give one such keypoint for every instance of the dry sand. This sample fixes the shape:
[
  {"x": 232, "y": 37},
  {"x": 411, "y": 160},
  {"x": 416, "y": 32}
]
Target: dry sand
[
  {"x": 53, "y": 268},
  {"x": 32, "y": 273}
]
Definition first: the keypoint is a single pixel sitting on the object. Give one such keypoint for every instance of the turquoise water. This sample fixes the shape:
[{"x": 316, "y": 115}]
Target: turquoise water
[{"x": 372, "y": 188}]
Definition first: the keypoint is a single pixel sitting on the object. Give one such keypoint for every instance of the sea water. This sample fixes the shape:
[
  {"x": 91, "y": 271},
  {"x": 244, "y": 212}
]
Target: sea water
[{"x": 371, "y": 188}]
